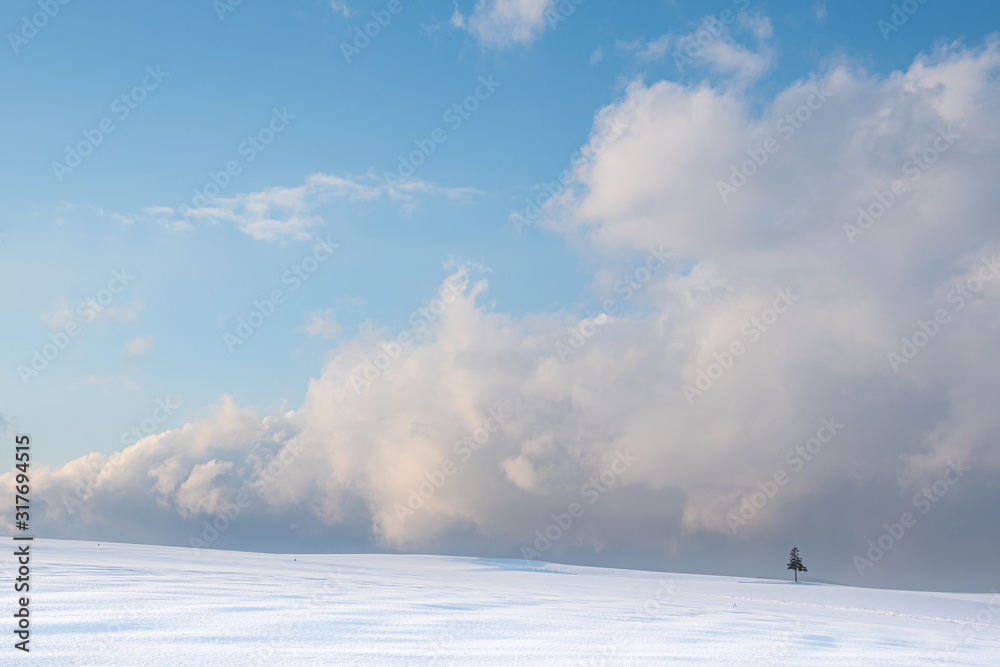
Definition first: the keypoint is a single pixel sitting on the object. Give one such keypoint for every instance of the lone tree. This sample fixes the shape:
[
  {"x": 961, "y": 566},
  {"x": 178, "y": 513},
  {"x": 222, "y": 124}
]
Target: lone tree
[{"x": 795, "y": 563}]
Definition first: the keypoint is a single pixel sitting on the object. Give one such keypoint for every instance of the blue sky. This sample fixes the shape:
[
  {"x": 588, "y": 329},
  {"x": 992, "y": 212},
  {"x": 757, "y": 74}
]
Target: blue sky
[{"x": 222, "y": 78}]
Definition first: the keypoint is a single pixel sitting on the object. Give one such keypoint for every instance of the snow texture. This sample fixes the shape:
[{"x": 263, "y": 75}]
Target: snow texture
[{"x": 122, "y": 604}]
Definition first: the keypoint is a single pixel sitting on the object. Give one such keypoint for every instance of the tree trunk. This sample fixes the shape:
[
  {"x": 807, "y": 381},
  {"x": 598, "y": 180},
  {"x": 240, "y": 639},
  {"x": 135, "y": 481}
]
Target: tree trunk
[{"x": 796, "y": 575}]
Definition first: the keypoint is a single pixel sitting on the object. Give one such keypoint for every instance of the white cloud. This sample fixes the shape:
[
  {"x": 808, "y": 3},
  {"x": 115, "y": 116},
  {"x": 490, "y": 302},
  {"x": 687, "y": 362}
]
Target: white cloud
[
  {"x": 759, "y": 25},
  {"x": 159, "y": 210},
  {"x": 167, "y": 217},
  {"x": 713, "y": 45},
  {"x": 111, "y": 381},
  {"x": 90, "y": 310},
  {"x": 340, "y": 7},
  {"x": 502, "y": 23},
  {"x": 126, "y": 312},
  {"x": 60, "y": 317},
  {"x": 284, "y": 213},
  {"x": 728, "y": 57},
  {"x": 323, "y": 323},
  {"x": 200, "y": 492},
  {"x": 139, "y": 346},
  {"x": 653, "y": 50}
]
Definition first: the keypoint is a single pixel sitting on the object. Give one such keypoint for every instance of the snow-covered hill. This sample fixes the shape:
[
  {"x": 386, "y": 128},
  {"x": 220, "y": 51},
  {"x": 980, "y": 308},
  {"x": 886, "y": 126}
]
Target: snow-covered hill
[{"x": 119, "y": 604}]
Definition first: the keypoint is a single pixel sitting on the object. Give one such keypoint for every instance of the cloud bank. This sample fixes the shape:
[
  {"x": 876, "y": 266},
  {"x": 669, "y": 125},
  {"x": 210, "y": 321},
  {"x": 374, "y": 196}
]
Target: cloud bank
[{"x": 827, "y": 316}]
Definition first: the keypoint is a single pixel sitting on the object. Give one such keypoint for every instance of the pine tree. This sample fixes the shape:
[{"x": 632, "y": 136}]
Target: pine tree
[{"x": 795, "y": 563}]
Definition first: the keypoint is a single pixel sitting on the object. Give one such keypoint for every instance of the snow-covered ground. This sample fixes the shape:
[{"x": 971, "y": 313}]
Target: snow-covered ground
[{"x": 120, "y": 604}]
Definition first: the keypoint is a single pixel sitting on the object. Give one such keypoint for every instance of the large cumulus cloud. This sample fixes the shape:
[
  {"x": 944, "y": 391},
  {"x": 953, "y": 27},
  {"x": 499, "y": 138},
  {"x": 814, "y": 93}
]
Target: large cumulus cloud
[{"x": 485, "y": 424}]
